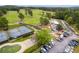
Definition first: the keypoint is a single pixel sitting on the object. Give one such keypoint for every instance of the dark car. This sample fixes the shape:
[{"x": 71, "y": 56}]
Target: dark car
[
  {"x": 73, "y": 43},
  {"x": 65, "y": 34},
  {"x": 46, "y": 47}
]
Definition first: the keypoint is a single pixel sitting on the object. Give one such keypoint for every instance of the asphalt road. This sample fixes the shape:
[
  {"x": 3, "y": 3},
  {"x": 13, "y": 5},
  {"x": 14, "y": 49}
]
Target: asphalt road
[{"x": 59, "y": 47}]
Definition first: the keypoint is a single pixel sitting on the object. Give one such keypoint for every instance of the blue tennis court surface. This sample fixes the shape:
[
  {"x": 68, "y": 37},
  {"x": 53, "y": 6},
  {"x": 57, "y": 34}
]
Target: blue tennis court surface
[
  {"x": 3, "y": 36},
  {"x": 14, "y": 33},
  {"x": 19, "y": 31}
]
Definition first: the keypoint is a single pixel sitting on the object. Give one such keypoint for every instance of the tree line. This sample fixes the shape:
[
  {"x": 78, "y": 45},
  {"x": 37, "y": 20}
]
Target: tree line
[{"x": 71, "y": 15}]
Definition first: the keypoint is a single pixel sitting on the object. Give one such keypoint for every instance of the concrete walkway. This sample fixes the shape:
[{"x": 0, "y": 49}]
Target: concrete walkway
[{"x": 24, "y": 45}]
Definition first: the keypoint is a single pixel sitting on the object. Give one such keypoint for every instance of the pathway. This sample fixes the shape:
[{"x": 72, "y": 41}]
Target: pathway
[{"x": 24, "y": 45}]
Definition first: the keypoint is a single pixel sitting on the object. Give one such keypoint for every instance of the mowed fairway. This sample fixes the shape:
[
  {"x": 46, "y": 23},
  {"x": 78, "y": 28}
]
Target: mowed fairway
[{"x": 12, "y": 17}]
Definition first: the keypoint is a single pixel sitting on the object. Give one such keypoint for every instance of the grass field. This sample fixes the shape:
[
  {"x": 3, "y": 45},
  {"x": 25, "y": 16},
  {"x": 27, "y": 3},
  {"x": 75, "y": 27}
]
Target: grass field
[
  {"x": 10, "y": 49},
  {"x": 20, "y": 39},
  {"x": 12, "y": 16},
  {"x": 35, "y": 48},
  {"x": 76, "y": 49}
]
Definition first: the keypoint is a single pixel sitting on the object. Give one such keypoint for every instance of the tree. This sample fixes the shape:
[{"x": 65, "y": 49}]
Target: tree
[
  {"x": 30, "y": 12},
  {"x": 66, "y": 17},
  {"x": 59, "y": 15},
  {"x": 1, "y": 13},
  {"x": 70, "y": 20},
  {"x": 3, "y": 23},
  {"x": 44, "y": 21},
  {"x": 43, "y": 13},
  {"x": 77, "y": 24},
  {"x": 59, "y": 27},
  {"x": 43, "y": 37},
  {"x": 21, "y": 16},
  {"x": 18, "y": 10},
  {"x": 4, "y": 11},
  {"x": 26, "y": 11},
  {"x": 48, "y": 15}
]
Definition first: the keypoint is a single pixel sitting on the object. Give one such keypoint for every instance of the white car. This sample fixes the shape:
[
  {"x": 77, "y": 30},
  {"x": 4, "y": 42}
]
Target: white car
[
  {"x": 68, "y": 49},
  {"x": 53, "y": 42},
  {"x": 61, "y": 36},
  {"x": 43, "y": 50}
]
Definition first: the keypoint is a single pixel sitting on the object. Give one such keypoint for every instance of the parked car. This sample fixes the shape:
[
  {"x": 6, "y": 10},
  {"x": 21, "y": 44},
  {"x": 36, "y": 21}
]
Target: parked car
[
  {"x": 59, "y": 39},
  {"x": 66, "y": 34},
  {"x": 46, "y": 47},
  {"x": 68, "y": 49},
  {"x": 51, "y": 44},
  {"x": 61, "y": 36},
  {"x": 43, "y": 50},
  {"x": 73, "y": 43}
]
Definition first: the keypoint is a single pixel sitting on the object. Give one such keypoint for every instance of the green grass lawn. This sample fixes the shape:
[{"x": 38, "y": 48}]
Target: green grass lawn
[
  {"x": 12, "y": 17},
  {"x": 33, "y": 49},
  {"x": 20, "y": 39},
  {"x": 37, "y": 50},
  {"x": 32, "y": 20},
  {"x": 13, "y": 26},
  {"x": 76, "y": 49},
  {"x": 10, "y": 49}
]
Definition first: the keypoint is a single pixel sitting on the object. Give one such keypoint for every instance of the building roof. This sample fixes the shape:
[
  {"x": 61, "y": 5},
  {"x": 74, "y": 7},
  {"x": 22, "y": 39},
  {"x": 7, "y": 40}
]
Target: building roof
[
  {"x": 54, "y": 21},
  {"x": 19, "y": 31},
  {"x": 24, "y": 30},
  {"x": 3, "y": 36},
  {"x": 14, "y": 33}
]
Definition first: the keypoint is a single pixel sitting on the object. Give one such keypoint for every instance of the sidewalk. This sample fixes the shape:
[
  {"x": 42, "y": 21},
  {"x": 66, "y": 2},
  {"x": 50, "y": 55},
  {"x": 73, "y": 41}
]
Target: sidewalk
[{"x": 24, "y": 45}]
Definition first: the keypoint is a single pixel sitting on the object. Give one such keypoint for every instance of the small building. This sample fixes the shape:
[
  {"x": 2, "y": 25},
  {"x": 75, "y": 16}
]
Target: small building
[
  {"x": 54, "y": 24},
  {"x": 54, "y": 21}
]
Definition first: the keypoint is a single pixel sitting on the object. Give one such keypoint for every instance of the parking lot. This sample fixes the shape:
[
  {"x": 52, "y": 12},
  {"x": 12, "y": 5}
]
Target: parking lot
[
  {"x": 59, "y": 47},
  {"x": 62, "y": 39}
]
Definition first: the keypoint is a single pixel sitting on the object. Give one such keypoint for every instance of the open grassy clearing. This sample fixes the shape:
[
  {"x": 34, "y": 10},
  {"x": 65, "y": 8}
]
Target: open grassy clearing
[{"x": 10, "y": 49}]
